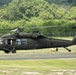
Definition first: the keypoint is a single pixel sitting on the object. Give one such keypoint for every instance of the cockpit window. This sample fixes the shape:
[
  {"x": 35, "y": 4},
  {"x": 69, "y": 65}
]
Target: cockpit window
[{"x": 1, "y": 41}]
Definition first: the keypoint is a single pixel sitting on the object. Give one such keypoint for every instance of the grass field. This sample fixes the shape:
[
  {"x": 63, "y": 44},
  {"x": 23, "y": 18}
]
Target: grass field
[{"x": 39, "y": 67}]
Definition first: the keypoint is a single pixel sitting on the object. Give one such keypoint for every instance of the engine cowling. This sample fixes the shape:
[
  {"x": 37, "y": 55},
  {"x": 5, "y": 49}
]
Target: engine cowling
[{"x": 28, "y": 35}]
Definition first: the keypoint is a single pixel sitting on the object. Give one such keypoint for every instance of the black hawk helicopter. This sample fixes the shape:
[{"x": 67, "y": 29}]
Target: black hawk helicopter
[{"x": 25, "y": 41}]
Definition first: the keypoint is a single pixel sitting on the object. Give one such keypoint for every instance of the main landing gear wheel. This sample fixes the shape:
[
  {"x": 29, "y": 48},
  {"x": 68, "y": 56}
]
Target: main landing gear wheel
[
  {"x": 6, "y": 51},
  {"x": 13, "y": 50},
  {"x": 56, "y": 49}
]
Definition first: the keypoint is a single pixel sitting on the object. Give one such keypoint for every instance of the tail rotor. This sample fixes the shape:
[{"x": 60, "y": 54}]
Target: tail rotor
[{"x": 74, "y": 41}]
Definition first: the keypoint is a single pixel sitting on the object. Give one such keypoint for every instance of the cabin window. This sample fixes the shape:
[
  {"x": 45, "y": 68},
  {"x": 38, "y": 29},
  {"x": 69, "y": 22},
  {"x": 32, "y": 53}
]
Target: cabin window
[
  {"x": 1, "y": 41},
  {"x": 24, "y": 41},
  {"x": 18, "y": 41},
  {"x": 8, "y": 42}
]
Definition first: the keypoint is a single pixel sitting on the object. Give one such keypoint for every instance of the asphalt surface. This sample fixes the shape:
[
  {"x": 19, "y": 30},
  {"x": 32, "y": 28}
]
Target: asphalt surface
[{"x": 30, "y": 56}]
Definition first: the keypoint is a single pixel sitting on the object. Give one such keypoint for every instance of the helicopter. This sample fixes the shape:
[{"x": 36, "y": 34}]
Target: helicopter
[{"x": 25, "y": 41}]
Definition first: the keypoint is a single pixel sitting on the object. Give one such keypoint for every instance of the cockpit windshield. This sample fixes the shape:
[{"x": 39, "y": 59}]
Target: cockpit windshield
[{"x": 1, "y": 41}]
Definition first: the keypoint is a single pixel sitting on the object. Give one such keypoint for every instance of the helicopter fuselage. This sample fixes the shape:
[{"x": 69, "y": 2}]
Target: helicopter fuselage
[
  {"x": 28, "y": 43},
  {"x": 11, "y": 43}
]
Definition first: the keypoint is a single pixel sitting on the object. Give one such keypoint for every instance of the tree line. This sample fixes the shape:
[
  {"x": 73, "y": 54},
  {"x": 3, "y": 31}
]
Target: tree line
[{"x": 37, "y": 13}]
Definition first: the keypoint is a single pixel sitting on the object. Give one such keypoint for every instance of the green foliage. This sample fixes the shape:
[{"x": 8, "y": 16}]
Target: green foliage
[
  {"x": 71, "y": 14},
  {"x": 36, "y": 13},
  {"x": 23, "y": 9},
  {"x": 63, "y": 2},
  {"x": 46, "y": 15},
  {"x": 60, "y": 12}
]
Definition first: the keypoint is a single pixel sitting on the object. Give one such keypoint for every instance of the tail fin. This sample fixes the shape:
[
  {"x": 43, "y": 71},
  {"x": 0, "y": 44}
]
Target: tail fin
[{"x": 74, "y": 40}]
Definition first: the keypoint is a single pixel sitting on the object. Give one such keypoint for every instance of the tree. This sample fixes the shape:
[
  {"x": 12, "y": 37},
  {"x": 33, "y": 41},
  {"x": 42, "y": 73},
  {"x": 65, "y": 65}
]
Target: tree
[
  {"x": 71, "y": 14},
  {"x": 19, "y": 9},
  {"x": 70, "y": 1},
  {"x": 60, "y": 12},
  {"x": 46, "y": 15}
]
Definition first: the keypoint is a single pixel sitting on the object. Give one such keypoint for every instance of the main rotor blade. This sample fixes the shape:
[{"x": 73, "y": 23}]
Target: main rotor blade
[
  {"x": 41, "y": 27},
  {"x": 32, "y": 27},
  {"x": 11, "y": 28}
]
